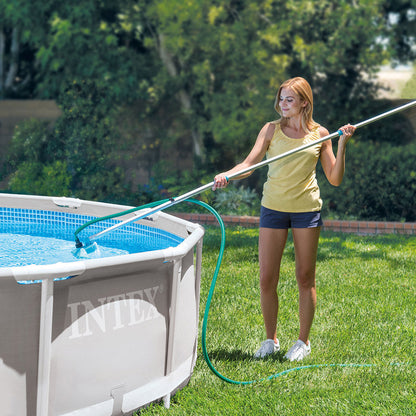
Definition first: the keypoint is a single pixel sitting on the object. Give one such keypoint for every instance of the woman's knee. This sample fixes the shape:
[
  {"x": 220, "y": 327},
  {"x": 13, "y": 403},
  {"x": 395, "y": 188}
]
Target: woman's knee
[
  {"x": 305, "y": 279},
  {"x": 268, "y": 282}
]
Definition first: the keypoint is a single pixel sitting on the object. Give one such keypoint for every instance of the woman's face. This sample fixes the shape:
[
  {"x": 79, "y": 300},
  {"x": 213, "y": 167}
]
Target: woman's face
[{"x": 290, "y": 103}]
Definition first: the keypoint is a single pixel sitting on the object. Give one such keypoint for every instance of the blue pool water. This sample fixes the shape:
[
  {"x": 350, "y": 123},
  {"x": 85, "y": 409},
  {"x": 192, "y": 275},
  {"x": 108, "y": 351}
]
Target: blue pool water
[
  {"x": 47, "y": 237},
  {"x": 22, "y": 250}
]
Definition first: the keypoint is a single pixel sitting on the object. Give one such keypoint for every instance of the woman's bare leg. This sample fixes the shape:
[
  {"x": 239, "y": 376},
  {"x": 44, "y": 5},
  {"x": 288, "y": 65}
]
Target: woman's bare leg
[
  {"x": 306, "y": 249},
  {"x": 271, "y": 246}
]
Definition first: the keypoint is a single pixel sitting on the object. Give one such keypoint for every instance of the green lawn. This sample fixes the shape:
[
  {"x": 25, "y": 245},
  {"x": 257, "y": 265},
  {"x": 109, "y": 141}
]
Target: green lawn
[{"x": 366, "y": 314}]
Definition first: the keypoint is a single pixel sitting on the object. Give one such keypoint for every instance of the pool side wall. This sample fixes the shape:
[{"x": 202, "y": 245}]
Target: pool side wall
[{"x": 123, "y": 330}]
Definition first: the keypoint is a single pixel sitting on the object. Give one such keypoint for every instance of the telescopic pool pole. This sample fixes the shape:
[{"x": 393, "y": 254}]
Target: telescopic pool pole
[{"x": 181, "y": 198}]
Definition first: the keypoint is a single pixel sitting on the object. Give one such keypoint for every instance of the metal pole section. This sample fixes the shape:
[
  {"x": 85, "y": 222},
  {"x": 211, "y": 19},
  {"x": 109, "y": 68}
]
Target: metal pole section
[
  {"x": 386, "y": 114},
  {"x": 323, "y": 139},
  {"x": 197, "y": 191}
]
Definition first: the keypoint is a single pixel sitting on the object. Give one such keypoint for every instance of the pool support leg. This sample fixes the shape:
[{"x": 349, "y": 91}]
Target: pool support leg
[
  {"x": 177, "y": 270},
  {"x": 45, "y": 344}
]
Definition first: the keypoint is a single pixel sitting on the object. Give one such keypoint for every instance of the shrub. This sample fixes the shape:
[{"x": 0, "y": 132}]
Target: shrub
[
  {"x": 39, "y": 179},
  {"x": 237, "y": 201},
  {"x": 86, "y": 132},
  {"x": 76, "y": 157},
  {"x": 379, "y": 184},
  {"x": 32, "y": 141}
]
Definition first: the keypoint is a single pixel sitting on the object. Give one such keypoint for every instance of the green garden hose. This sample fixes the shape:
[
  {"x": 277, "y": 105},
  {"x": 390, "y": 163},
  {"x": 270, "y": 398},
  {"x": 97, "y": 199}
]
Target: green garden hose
[
  {"x": 208, "y": 305},
  {"x": 211, "y": 293},
  {"x": 78, "y": 243}
]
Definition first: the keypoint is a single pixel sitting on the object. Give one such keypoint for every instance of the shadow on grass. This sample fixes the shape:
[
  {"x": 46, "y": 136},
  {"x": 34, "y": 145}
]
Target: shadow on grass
[
  {"x": 388, "y": 247},
  {"x": 239, "y": 355}
]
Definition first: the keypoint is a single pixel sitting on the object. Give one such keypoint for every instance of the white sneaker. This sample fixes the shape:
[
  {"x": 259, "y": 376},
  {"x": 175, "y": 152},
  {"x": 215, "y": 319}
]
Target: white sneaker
[
  {"x": 299, "y": 351},
  {"x": 267, "y": 347}
]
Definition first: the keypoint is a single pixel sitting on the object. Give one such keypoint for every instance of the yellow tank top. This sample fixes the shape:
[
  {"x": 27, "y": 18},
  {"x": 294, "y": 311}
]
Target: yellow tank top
[{"x": 291, "y": 184}]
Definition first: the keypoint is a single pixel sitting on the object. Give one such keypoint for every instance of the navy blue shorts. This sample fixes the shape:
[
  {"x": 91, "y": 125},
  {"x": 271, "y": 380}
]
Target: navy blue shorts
[{"x": 284, "y": 220}]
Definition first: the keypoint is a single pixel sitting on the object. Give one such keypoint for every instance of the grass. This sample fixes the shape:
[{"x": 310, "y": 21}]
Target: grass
[{"x": 365, "y": 315}]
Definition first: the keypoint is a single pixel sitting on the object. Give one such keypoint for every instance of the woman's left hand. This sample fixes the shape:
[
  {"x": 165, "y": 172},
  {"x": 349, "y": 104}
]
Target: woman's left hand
[
  {"x": 347, "y": 130},
  {"x": 220, "y": 181}
]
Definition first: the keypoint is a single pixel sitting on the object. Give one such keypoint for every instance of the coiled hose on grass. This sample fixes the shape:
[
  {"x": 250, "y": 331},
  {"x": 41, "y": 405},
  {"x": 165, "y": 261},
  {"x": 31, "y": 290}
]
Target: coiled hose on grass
[
  {"x": 208, "y": 305},
  {"x": 211, "y": 293}
]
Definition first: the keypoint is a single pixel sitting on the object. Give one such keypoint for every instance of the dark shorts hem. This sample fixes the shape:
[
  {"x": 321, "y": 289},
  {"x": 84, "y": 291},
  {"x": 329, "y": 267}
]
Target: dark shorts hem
[{"x": 270, "y": 218}]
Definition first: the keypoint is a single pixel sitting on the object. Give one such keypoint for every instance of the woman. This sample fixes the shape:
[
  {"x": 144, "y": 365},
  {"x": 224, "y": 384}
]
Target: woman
[{"x": 291, "y": 199}]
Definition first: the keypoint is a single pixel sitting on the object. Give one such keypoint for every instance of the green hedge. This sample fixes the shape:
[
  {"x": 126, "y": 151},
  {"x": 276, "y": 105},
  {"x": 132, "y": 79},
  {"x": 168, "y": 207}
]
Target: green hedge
[
  {"x": 379, "y": 184},
  {"x": 76, "y": 158}
]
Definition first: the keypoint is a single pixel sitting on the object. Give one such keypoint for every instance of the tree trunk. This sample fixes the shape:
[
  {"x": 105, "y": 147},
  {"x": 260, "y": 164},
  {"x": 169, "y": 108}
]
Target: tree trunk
[
  {"x": 13, "y": 68},
  {"x": 2, "y": 47},
  {"x": 184, "y": 97}
]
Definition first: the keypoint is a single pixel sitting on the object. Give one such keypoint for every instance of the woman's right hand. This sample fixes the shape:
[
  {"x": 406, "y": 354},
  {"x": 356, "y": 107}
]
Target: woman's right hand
[
  {"x": 220, "y": 181},
  {"x": 256, "y": 155}
]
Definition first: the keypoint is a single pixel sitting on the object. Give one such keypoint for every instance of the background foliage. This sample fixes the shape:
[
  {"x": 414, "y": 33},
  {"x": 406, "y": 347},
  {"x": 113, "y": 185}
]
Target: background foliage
[
  {"x": 178, "y": 90},
  {"x": 379, "y": 184}
]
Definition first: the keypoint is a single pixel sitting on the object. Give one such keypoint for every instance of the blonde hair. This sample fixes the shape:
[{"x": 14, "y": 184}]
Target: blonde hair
[{"x": 302, "y": 88}]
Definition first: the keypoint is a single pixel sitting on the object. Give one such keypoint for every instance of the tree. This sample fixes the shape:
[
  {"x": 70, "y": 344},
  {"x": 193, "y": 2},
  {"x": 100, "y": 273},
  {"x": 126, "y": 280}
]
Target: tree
[
  {"x": 224, "y": 61},
  {"x": 400, "y": 26},
  {"x": 90, "y": 61},
  {"x": 219, "y": 62},
  {"x": 92, "y": 41},
  {"x": 217, "y": 58},
  {"x": 20, "y": 29}
]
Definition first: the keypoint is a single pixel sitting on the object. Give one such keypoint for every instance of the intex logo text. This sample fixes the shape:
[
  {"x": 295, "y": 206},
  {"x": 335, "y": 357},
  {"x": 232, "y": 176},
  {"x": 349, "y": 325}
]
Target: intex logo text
[{"x": 126, "y": 309}]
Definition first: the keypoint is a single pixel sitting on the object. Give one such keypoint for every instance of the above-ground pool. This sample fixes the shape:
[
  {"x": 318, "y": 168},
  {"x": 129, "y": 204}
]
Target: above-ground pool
[{"x": 98, "y": 333}]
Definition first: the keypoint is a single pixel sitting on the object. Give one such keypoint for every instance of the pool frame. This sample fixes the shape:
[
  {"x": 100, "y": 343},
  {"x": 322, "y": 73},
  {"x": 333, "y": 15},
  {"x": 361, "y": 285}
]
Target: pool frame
[{"x": 155, "y": 294}]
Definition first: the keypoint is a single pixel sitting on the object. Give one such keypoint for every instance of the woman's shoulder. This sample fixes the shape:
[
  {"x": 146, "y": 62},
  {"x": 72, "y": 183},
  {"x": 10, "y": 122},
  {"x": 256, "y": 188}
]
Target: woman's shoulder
[
  {"x": 273, "y": 125},
  {"x": 322, "y": 131},
  {"x": 270, "y": 129},
  {"x": 267, "y": 132}
]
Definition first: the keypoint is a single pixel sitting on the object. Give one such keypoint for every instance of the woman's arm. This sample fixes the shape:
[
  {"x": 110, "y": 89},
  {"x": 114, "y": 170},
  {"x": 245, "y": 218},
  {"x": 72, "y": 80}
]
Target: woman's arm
[
  {"x": 256, "y": 155},
  {"x": 334, "y": 167}
]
